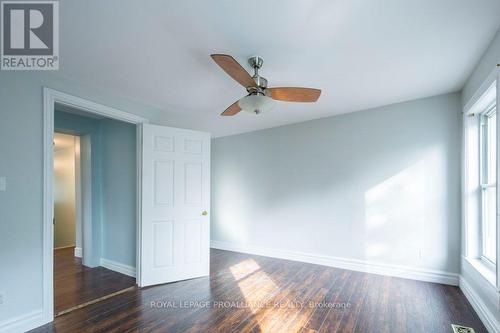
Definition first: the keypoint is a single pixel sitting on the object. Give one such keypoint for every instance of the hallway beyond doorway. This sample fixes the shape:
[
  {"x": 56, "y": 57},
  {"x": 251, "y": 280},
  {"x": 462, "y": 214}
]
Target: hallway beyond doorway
[{"x": 75, "y": 284}]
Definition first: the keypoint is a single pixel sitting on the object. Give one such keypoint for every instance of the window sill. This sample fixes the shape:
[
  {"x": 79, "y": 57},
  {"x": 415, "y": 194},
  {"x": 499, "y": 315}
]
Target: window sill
[{"x": 483, "y": 269}]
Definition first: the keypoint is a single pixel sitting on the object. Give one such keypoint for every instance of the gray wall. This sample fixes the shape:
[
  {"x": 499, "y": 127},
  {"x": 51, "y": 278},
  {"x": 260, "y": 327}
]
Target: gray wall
[{"x": 381, "y": 185}]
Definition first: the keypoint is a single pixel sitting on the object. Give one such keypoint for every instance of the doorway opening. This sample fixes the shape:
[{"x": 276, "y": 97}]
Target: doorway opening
[
  {"x": 94, "y": 208},
  {"x": 82, "y": 273},
  {"x": 170, "y": 216}
]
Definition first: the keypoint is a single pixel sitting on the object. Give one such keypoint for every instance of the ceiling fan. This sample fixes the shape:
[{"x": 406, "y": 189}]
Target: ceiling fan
[{"x": 260, "y": 98}]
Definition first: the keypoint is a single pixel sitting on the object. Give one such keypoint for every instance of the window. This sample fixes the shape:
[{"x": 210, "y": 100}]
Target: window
[
  {"x": 488, "y": 183},
  {"x": 480, "y": 191}
]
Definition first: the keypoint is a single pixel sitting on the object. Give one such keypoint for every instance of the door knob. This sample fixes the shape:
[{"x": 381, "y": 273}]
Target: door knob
[{"x": 204, "y": 213}]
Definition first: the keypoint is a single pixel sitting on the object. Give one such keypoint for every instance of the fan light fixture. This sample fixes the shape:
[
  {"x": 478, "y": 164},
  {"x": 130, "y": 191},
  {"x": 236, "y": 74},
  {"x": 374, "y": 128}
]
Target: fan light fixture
[
  {"x": 256, "y": 103},
  {"x": 260, "y": 97}
]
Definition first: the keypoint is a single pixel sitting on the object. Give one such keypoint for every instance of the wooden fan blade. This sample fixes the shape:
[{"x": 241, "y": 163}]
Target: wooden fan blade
[
  {"x": 232, "y": 110},
  {"x": 234, "y": 69},
  {"x": 294, "y": 94}
]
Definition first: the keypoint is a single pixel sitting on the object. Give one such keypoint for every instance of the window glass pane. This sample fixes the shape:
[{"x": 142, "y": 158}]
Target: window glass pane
[
  {"x": 483, "y": 149},
  {"x": 492, "y": 149},
  {"x": 489, "y": 223}
]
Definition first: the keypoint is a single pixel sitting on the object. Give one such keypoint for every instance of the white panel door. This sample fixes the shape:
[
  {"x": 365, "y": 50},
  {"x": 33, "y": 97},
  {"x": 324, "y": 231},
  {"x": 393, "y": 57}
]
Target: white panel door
[{"x": 175, "y": 231}]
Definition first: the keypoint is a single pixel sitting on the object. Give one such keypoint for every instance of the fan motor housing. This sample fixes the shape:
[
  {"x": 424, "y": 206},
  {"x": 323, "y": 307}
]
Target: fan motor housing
[{"x": 256, "y": 91}]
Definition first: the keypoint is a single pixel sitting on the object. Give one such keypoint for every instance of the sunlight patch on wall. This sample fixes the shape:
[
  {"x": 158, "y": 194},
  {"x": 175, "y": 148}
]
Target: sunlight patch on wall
[{"x": 400, "y": 211}]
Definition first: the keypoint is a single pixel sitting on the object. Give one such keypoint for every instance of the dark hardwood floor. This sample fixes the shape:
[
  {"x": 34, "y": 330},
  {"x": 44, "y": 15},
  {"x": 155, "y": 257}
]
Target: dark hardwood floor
[
  {"x": 246, "y": 293},
  {"x": 75, "y": 284}
]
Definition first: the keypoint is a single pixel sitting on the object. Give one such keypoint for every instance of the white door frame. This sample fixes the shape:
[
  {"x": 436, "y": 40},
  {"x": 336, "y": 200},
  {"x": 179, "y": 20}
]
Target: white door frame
[{"x": 50, "y": 97}]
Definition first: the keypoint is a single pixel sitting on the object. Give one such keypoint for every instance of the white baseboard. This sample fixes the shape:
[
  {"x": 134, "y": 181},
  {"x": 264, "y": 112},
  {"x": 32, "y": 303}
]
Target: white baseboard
[
  {"x": 78, "y": 252},
  {"x": 118, "y": 267},
  {"x": 486, "y": 316},
  {"x": 344, "y": 263},
  {"x": 23, "y": 323}
]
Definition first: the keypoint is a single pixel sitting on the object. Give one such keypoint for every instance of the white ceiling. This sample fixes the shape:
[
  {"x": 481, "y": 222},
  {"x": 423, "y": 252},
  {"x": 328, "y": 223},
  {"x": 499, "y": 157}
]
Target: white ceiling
[{"x": 362, "y": 54}]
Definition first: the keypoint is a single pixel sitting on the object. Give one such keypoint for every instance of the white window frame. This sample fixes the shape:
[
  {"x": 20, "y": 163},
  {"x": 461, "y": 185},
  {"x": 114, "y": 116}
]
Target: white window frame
[
  {"x": 484, "y": 182},
  {"x": 471, "y": 189}
]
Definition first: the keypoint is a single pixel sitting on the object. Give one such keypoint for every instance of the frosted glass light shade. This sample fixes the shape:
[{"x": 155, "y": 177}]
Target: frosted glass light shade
[{"x": 256, "y": 103}]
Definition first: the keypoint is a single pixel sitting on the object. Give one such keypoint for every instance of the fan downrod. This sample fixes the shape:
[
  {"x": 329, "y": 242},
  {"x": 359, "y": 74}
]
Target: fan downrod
[{"x": 256, "y": 62}]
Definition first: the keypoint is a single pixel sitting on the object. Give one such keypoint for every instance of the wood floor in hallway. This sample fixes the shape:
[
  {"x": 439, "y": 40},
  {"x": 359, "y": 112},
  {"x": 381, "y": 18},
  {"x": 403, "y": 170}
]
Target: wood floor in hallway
[
  {"x": 75, "y": 284},
  {"x": 247, "y": 293}
]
